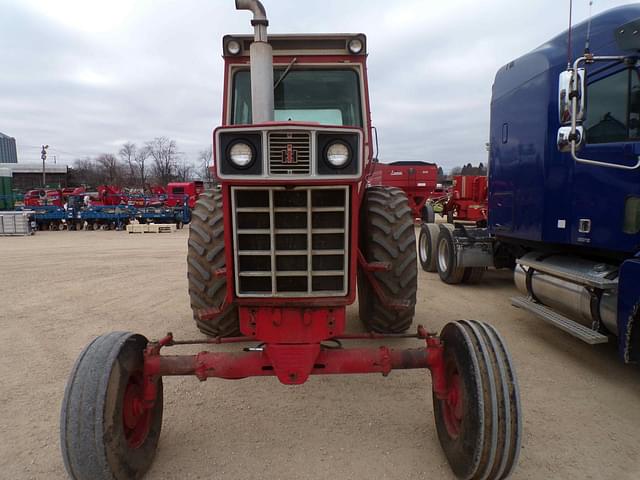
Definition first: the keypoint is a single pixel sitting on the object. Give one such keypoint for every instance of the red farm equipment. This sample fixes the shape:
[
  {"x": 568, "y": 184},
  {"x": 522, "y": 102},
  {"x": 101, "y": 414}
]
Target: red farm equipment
[
  {"x": 417, "y": 179},
  {"x": 277, "y": 254},
  {"x": 179, "y": 192},
  {"x": 466, "y": 201},
  {"x": 39, "y": 198}
]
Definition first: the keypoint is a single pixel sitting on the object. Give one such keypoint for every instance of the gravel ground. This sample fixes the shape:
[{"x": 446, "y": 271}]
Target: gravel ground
[{"x": 60, "y": 289}]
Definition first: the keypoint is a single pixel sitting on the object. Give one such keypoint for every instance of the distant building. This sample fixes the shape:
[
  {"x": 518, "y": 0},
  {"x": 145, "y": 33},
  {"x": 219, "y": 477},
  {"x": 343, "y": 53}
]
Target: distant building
[
  {"x": 8, "y": 153},
  {"x": 28, "y": 176}
]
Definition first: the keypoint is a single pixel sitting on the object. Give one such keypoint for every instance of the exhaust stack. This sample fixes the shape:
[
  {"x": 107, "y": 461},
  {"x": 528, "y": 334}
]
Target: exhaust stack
[{"x": 261, "y": 55}]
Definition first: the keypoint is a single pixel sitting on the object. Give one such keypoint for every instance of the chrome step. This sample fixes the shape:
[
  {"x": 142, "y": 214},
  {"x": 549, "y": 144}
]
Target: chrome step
[
  {"x": 572, "y": 269},
  {"x": 563, "y": 323}
]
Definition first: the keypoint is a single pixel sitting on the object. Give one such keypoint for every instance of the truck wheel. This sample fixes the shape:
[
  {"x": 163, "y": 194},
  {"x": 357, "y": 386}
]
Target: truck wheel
[
  {"x": 473, "y": 275},
  {"x": 427, "y": 246},
  {"x": 387, "y": 235},
  {"x": 206, "y": 254},
  {"x": 104, "y": 434},
  {"x": 479, "y": 423},
  {"x": 446, "y": 259},
  {"x": 428, "y": 215}
]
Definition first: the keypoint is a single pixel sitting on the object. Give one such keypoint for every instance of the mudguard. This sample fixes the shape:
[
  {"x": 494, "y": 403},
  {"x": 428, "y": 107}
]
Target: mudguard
[{"x": 629, "y": 311}]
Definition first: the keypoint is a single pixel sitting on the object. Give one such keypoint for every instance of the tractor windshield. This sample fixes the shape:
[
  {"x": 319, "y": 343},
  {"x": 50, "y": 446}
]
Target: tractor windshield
[{"x": 329, "y": 97}]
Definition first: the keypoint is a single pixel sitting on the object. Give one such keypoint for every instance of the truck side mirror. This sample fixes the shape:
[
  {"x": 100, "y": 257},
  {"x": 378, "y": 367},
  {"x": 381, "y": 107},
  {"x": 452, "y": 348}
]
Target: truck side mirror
[
  {"x": 570, "y": 84},
  {"x": 571, "y": 109},
  {"x": 564, "y": 142}
]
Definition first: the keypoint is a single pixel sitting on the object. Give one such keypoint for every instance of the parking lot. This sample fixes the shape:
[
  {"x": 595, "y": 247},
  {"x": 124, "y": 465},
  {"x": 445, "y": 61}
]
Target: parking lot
[{"x": 60, "y": 289}]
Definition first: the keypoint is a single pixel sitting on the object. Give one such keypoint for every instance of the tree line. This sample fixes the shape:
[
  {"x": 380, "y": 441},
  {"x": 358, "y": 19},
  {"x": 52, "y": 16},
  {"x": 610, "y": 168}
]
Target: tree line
[{"x": 156, "y": 162}]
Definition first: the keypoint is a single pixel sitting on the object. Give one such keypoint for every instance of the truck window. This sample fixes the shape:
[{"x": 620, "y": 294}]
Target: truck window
[
  {"x": 329, "y": 97},
  {"x": 613, "y": 108},
  {"x": 178, "y": 190}
]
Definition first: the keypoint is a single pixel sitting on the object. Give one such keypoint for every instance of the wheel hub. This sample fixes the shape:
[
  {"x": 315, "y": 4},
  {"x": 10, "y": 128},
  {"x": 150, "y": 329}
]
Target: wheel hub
[
  {"x": 136, "y": 418},
  {"x": 453, "y": 406},
  {"x": 422, "y": 248},
  {"x": 443, "y": 255}
]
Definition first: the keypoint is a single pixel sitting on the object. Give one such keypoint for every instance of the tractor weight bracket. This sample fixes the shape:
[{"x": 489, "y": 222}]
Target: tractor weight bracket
[{"x": 369, "y": 268}]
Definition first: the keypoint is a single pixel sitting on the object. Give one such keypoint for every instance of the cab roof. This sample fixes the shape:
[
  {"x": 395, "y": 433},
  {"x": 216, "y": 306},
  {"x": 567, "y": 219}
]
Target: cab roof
[{"x": 300, "y": 44}]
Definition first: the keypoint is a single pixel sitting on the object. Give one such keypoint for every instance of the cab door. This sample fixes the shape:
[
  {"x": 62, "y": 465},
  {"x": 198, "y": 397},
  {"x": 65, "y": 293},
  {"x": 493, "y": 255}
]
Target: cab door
[{"x": 605, "y": 197}]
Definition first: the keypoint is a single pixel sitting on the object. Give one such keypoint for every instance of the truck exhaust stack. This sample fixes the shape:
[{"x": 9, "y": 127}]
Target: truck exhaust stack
[{"x": 261, "y": 55}]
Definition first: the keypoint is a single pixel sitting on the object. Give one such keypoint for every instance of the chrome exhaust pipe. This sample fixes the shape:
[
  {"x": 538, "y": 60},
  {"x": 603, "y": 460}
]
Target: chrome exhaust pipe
[{"x": 261, "y": 56}]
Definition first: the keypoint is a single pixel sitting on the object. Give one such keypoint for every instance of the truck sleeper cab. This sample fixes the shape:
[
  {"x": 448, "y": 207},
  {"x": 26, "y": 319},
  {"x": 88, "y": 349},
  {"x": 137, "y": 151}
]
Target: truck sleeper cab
[{"x": 569, "y": 222}]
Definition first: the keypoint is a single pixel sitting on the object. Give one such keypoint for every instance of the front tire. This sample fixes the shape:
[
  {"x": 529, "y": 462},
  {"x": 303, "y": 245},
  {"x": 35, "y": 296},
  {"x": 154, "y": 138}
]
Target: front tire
[
  {"x": 387, "y": 235},
  {"x": 103, "y": 433},
  {"x": 479, "y": 423},
  {"x": 206, "y": 254}
]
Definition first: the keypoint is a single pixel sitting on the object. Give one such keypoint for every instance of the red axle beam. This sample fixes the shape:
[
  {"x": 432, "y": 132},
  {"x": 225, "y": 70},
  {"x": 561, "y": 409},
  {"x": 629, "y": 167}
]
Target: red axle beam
[{"x": 249, "y": 364}]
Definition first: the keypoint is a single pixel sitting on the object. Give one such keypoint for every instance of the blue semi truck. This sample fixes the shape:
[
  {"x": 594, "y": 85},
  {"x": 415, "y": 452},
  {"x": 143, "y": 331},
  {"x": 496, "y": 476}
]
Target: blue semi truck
[{"x": 564, "y": 185}]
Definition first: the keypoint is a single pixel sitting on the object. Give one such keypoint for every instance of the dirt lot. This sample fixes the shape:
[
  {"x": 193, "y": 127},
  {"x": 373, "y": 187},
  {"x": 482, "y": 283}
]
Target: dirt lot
[{"x": 60, "y": 289}]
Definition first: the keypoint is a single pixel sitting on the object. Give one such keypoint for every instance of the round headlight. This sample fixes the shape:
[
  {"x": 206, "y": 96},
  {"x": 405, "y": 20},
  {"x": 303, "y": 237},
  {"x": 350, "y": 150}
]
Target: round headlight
[
  {"x": 241, "y": 155},
  {"x": 233, "y": 47},
  {"x": 338, "y": 154},
  {"x": 355, "y": 45}
]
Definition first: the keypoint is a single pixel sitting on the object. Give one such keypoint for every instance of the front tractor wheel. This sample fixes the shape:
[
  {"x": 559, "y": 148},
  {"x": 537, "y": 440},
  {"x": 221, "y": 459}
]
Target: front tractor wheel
[
  {"x": 206, "y": 254},
  {"x": 387, "y": 235},
  {"x": 478, "y": 420},
  {"x": 106, "y": 432}
]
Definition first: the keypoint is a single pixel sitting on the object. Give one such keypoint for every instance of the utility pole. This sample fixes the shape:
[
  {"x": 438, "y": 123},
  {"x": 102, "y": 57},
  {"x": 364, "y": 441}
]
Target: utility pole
[{"x": 43, "y": 156}]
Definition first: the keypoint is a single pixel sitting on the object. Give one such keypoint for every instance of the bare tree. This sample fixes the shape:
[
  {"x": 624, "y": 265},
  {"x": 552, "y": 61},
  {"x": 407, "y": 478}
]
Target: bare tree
[
  {"x": 128, "y": 155},
  {"x": 85, "y": 172},
  {"x": 108, "y": 163},
  {"x": 184, "y": 171},
  {"x": 205, "y": 162},
  {"x": 140, "y": 160},
  {"x": 164, "y": 153}
]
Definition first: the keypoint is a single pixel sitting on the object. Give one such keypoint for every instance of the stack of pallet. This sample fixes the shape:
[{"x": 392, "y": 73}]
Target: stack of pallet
[{"x": 151, "y": 228}]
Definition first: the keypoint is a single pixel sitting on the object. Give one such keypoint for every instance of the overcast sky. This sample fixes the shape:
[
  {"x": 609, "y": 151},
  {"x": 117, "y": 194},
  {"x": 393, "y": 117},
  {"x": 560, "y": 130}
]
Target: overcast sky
[{"x": 85, "y": 76}]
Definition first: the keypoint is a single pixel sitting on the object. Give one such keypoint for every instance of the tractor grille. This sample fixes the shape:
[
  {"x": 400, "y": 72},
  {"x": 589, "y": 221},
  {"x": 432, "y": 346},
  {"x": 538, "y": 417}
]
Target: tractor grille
[
  {"x": 289, "y": 153},
  {"x": 291, "y": 242}
]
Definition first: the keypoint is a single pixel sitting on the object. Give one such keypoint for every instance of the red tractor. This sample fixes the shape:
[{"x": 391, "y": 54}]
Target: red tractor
[
  {"x": 417, "y": 179},
  {"x": 275, "y": 257}
]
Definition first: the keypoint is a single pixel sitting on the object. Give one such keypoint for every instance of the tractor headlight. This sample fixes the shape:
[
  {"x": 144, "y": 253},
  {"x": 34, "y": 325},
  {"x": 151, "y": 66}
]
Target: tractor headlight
[
  {"x": 338, "y": 154},
  {"x": 355, "y": 46},
  {"x": 241, "y": 155},
  {"x": 233, "y": 47}
]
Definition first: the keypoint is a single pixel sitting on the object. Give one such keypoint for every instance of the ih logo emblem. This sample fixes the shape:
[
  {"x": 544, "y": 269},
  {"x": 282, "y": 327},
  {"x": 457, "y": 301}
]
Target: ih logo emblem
[{"x": 289, "y": 155}]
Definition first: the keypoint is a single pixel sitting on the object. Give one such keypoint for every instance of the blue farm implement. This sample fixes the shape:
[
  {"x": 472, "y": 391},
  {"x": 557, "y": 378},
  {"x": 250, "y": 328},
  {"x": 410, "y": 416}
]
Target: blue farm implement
[
  {"x": 48, "y": 217},
  {"x": 105, "y": 217}
]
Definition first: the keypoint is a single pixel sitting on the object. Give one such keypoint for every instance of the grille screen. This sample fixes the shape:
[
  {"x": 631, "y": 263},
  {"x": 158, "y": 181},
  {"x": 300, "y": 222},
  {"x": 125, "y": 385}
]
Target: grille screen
[
  {"x": 289, "y": 153},
  {"x": 291, "y": 242}
]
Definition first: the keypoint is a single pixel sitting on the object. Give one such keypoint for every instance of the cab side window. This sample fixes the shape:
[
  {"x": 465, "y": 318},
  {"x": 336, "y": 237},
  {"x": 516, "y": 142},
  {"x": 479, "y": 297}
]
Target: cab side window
[{"x": 613, "y": 108}]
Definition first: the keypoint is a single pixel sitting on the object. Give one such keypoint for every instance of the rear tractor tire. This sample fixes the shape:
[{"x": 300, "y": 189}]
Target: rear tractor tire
[
  {"x": 479, "y": 423},
  {"x": 104, "y": 434},
  {"x": 387, "y": 235},
  {"x": 206, "y": 254}
]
